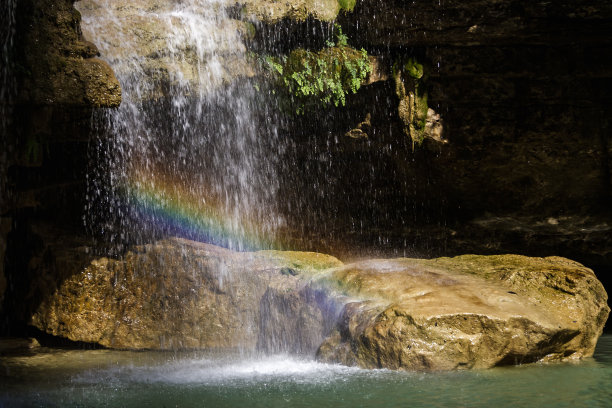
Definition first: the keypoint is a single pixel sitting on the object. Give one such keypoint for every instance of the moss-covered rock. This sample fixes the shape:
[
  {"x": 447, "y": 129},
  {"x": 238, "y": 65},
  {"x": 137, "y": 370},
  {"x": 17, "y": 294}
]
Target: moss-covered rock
[
  {"x": 311, "y": 80},
  {"x": 419, "y": 120}
]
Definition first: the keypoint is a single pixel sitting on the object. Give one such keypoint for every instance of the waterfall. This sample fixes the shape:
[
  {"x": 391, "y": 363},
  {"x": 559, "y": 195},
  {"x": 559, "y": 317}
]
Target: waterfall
[{"x": 184, "y": 154}]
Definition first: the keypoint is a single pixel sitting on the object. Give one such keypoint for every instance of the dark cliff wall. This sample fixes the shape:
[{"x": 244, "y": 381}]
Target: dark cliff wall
[
  {"x": 523, "y": 92},
  {"x": 55, "y": 80},
  {"x": 522, "y": 89}
]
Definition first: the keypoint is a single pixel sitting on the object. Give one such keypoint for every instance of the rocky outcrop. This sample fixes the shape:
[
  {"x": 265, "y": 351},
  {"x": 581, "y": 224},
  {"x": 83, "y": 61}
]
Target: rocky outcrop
[
  {"x": 179, "y": 294},
  {"x": 521, "y": 91},
  {"x": 477, "y": 22},
  {"x": 160, "y": 44},
  {"x": 297, "y": 10},
  {"x": 52, "y": 81},
  {"x": 56, "y": 66},
  {"x": 465, "y": 312},
  {"x": 447, "y": 313}
]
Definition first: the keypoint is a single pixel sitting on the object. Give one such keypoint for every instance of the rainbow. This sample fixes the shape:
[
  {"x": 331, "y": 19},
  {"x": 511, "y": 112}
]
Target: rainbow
[{"x": 174, "y": 209}]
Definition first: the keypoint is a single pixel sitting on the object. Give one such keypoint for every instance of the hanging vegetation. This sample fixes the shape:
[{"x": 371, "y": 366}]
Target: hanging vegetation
[
  {"x": 409, "y": 78},
  {"x": 320, "y": 79}
]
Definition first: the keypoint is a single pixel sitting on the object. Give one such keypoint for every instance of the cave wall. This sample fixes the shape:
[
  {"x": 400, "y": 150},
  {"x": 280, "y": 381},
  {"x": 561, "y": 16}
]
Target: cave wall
[
  {"x": 52, "y": 81},
  {"x": 524, "y": 166},
  {"x": 523, "y": 92}
]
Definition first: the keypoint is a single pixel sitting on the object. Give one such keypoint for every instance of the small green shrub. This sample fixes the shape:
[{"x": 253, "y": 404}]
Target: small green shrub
[{"x": 321, "y": 78}]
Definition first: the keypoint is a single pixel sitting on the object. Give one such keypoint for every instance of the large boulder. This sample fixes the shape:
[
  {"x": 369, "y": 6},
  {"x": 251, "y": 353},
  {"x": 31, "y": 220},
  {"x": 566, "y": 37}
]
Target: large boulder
[
  {"x": 179, "y": 294},
  {"x": 464, "y": 312}
]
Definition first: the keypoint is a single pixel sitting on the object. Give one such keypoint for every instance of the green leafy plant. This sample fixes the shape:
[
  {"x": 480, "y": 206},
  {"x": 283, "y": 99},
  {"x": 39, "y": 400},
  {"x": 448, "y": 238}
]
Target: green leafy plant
[{"x": 321, "y": 78}]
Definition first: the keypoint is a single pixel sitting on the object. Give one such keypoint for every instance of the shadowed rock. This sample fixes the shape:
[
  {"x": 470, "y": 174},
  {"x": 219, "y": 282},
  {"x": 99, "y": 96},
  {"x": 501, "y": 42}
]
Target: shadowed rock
[{"x": 56, "y": 65}]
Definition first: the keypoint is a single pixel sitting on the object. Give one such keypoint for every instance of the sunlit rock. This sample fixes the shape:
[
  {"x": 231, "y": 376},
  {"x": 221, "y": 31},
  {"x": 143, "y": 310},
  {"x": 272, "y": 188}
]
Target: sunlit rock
[
  {"x": 465, "y": 312},
  {"x": 179, "y": 294},
  {"x": 447, "y": 313},
  {"x": 187, "y": 44},
  {"x": 273, "y": 11}
]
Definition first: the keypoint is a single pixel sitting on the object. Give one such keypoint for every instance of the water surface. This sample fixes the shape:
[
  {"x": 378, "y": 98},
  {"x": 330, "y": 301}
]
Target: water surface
[{"x": 99, "y": 378}]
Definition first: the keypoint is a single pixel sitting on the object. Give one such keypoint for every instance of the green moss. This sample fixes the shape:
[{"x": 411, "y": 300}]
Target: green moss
[
  {"x": 322, "y": 78},
  {"x": 410, "y": 77},
  {"x": 414, "y": 69},
  {"x": 308, "y": 263},
  {"x": 347, "y": 5},
  {"x": 250, "y": 30}
]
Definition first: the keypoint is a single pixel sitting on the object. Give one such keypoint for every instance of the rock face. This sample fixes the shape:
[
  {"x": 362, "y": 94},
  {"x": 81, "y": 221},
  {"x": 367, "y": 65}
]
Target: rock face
[
  {"x": 475, "y": 22},
  {"x": 57, "y": 66},
  {"x": 146, "y": 41},
  {"x": 273, "y": 11},
  {"x": 465, "y": 312},
  {"x": 51, "y": 82},
  {"x": 521, "y": 89},
  {"x": 179, "y": 294}
]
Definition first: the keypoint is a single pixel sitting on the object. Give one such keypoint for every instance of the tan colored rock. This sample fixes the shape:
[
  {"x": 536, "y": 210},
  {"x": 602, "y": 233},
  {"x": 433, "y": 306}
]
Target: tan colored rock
[
  {"x": 273, "y": 11},
  {"x": 178, "y": 294},
  {"x": 465, "y": 312},
  {"x": 86, "y": 82},
  {"x": 447, "y": 313},
  {"x": 163, "y": 42}
]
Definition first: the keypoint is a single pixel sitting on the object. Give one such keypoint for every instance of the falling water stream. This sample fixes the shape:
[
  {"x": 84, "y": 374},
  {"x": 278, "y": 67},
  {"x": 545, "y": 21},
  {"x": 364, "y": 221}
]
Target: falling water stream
[
  {"x": 184, "y": 154},
  {"x": 193, "y": 151}
]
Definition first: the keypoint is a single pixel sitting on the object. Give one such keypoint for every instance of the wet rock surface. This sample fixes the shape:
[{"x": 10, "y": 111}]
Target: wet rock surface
[
  {"x": 465, "y": 312},
  {"x": 446, "y": 313},
  {"x": 521, "y": 91},
  {"x": 148, "y": 35},
  {"x": 297, "y": 10},
  {"x": 178, "y": 294},
  {"x": 521, "y": 87}
]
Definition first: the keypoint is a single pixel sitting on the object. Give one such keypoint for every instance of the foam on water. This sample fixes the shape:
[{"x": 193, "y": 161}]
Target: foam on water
[
  {"x": 129, "y": 379},
  {"x": 279, "y": 368}
]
